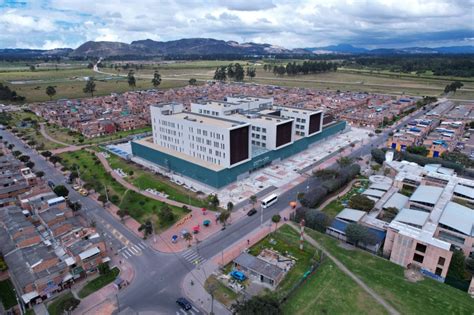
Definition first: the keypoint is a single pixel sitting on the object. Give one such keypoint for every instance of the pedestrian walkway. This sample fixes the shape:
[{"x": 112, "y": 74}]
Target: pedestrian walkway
[
  {"x": 133, "y": 250},
  {"x": 193, "y": 257},
  {"x": 192, "y": 311}
]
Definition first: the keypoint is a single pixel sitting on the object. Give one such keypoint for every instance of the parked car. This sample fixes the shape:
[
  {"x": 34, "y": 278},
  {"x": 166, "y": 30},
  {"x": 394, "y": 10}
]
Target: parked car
[
  {"x": 76, "y": 187},
  {"x": 252, "y": 212},
  {"x": 83, "y": 192},
  {"x": 238, "y": 275},
  {"x": 51, "y": 184},
  {"x": 184, "y": 304}
]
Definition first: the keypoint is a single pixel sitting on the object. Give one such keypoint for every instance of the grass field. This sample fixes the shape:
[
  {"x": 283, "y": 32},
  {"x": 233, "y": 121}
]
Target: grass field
[
  {"x": 330, "y": 291},
  {"x": 387, "y": 279},
  {"x": 61, "y": 304},
  {"x": 94, "y": 175},
  {"x": 67, "y": 136},
  {"x": 7, "y": 294},
  {"x": 222, "y": 293},
  {"x": 143, "y": 179},
  {"x": 98, "y": 283}
]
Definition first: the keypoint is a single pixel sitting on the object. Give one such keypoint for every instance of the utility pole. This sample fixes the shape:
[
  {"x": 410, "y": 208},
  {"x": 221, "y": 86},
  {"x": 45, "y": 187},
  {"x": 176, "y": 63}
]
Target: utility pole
[
  {"x": 106, "y": 193},
  {"x": 301, "y": 234}
]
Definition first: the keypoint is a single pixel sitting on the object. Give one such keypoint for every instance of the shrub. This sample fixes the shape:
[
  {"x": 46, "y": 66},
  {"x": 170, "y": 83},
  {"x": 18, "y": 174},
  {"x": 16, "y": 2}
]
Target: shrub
[
  {"x": 314, "y": 197},
  {"x": 361, "y": 202}
]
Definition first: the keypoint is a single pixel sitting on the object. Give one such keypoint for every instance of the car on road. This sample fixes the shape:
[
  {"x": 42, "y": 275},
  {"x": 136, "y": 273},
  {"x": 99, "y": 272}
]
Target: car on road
[
  {"x": 51, "y": 184},
  {"x": 252, "y": 212},
  {"x": 184, "y": 304},
  {"x": 83, "y": 192}
]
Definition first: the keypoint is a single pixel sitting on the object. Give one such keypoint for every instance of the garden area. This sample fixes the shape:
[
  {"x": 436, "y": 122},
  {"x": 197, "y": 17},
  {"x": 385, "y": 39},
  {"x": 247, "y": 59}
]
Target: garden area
[
  {"x": 106, "y": 277},
  {"x": 143, "y": 179},
  {"x": 338, "y": 204},
  {"x": 387, "y": 279},
  {"x": 62, "y": 304},
  {"x": 96, "y": 178},
  {"x": 7, "y": 294}
]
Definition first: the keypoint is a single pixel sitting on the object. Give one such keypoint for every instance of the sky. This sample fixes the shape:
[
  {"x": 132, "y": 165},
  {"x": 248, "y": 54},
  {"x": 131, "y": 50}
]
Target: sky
[{"x": 48, "y": 24}]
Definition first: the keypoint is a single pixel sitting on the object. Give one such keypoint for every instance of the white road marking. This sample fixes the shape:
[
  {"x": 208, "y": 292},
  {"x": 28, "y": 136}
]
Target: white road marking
[
  {"x": 125, "y": 254},
  {"x": 133, "y": 250},
  {"x": 141, "y": 246},
  {"x": 191, "y": 311},
  {"x": 198, "y": 311},
  {"x": 182, "y": 311}
]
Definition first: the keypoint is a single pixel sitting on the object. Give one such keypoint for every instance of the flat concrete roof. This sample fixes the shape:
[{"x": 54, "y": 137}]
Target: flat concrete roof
[
  {"x": 381, "y": 186},
  {"x": 374, "y": 193},
  {"x": 397, "y": 200},
  {"x": 458, "y": 217},
  {"x": 208, "y": 120},
  {"x": 352, "y": 215},
  {"x": 427, "y": 194},
  {"x": 413, "y": 217}
]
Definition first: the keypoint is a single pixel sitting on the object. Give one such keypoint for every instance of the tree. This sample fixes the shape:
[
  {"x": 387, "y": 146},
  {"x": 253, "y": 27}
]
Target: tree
[
  {"x": 46, "y": 154},
  {"x": 147, "y": 228},
  {"x": 32, "y": 68},
  {"x": 253, "y": 200},
  {"x": 357, "y": 233},
  {"x": 213, "y": 200},
  {"x": 326, "y": 173},
  {"x": 230, "y": 206},
  {"x": 103, "y": 268},
  {"x": 457, "y": 267},
  {"x": 165, "y": 214},
  {"x": 39, "y": 174},
  {"x": 61, "y": 191},
  {"x": 361, "y": 202},
  {"x": 55, "y": 159},
  {"x": 122, "y": 213},
  {"x": 188, "y": 237},
  {"x": 251, "y": 72},
  {"x": 276, "y": 219},
  {"x": 264, "y": 304},
  {"x": 102, "y": 198},
  {"x": 131, "y": 78},
  {"x": 16, "y": 153},
  {"x": 223, "y": 217},
  {"x": 75, "y": 206},
  {"x": 156, "y": 81},
  {"x": 220, "y": 74},
  {"x": 418, "y": 149},
  {"x": 317, "y": 220},
  {"x": 378, "y": 155},
  {"x": 314, "y": 197},
  {"x": 11, "y": 146},
  {"x": 24, "y": 158},
  {"x": 192, "y": 81},
  {"x": 344, "y": 161},
  {"x": 90, "y": 86},
  {"x": 50, "y": 91},
  {"x": 73, "y": 176},
  {"x": 239, "y": 72},
  {"x": 30, "y": 164}
]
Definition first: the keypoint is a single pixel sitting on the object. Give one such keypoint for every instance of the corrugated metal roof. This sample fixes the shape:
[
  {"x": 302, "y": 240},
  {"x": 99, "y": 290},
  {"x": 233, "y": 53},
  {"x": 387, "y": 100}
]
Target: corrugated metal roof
[
  {"x": 396, "y": 201},
  {"x": 428, "y": 194},
  {"x": 351, "y": 215},
  {"x": 465, "y": 191},
  {"x": 458, "y": 217},
  {"x": 413, "y": 217}
]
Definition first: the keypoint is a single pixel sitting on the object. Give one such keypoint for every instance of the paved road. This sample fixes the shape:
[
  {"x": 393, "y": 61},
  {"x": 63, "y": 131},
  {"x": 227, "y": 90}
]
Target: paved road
[{"x": 159, "y": 276}]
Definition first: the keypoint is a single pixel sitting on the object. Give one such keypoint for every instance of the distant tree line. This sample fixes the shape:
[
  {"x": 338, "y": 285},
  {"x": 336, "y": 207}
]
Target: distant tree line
[
  {"x": 453, "y": 87},
  {"x": 447, "y": 65},
  {"x": 294, "y": 68},
  {"x": 234, "y": 72}
]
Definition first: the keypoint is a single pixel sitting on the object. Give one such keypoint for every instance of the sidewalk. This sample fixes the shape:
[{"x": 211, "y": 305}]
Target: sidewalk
[{"x": 104, "y": 300}]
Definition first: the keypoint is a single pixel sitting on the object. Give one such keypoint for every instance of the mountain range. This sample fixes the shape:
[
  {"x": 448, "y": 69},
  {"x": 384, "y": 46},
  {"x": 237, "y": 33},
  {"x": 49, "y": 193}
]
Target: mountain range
[{"x": 209, "y": 46}]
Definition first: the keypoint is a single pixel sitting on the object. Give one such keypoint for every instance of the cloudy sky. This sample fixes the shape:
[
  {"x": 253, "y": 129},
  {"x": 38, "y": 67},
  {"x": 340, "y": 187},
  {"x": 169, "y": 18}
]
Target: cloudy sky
[{"x": 50, "y": 24}]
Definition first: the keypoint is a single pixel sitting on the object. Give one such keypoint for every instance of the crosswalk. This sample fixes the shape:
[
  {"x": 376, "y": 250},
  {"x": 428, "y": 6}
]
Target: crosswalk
[
  {"x": 193, "y": 257},
  {"x": 191, "y": 311},
  {"x": 132, "y": 250}
]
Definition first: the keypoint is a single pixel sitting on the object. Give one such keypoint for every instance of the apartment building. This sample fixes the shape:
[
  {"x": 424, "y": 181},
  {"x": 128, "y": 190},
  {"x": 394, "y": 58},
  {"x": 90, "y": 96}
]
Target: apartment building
[{"x": 216, "y": 142}]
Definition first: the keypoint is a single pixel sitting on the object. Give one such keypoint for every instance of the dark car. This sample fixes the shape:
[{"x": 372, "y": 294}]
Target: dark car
[
  {"x": 252, "y": 212},
  {"x": 51, "y": 184},
  {"x": 184, "y": 304}
]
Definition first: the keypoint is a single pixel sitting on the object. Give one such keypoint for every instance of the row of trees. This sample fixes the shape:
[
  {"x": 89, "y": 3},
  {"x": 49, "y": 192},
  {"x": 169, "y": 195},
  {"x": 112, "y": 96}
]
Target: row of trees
[
  {"x": 307, "y": 67},
  {"x": 234, "y": 72},
  {"x": 453, "y": 87},
  {"x": 6, "y": 94}
]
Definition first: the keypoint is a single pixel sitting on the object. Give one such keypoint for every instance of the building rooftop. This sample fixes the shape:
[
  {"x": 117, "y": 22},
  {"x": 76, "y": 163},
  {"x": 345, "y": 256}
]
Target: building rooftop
[
  {"x": 259, "y": 265},
  {"x": 458, "y": 217},
  {"x": 427, "y": 194},
  {"x": 381, "y": 186},
  {"x": 412, "y": 217},
  {"x": 373, "y": 193},
  {"x": 464, "y": 190},
  {"x": 397, "y": 200},
  {"x": 208, "y": 120},
  {"x": 351, "y": 215}
]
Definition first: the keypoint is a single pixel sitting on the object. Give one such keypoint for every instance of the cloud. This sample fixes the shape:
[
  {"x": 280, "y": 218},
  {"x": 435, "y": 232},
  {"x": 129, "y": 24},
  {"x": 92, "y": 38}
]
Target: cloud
[{"x": 304, "y": 23}]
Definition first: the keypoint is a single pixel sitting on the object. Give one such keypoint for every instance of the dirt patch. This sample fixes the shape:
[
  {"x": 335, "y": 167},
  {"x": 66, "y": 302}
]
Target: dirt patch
[{"x": 413, "y": 274}]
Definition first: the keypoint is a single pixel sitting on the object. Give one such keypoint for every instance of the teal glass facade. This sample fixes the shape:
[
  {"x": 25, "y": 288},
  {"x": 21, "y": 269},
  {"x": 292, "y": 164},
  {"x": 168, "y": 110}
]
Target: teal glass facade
[{"x": 224, "y": 177}]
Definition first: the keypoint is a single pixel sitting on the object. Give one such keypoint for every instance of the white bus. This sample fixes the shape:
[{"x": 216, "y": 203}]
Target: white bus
[{"x": 267, "y": 202}]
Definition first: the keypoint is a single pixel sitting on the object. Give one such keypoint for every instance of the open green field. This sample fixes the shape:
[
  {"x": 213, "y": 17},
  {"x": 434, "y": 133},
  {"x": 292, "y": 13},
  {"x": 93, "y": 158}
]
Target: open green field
[
  {"x": 98, "y": 283},
  {"x": 330, "y": 291},
  {"x": 387, "y": 279},
  {"x": 7, "y": 294},
  {"x": 143, "y": 179},
  {"x": 95, "y": 177},
  {"x": 68, "y": 136}
]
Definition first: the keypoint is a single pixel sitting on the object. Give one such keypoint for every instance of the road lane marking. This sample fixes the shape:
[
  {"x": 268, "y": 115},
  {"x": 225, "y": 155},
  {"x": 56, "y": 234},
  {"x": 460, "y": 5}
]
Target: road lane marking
[{"x": 141, "y": 246}]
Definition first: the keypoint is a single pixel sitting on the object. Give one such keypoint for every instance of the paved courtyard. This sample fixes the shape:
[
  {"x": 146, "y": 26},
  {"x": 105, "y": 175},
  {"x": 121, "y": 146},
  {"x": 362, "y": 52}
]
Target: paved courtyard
[{"x": 272, "y": 177}]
